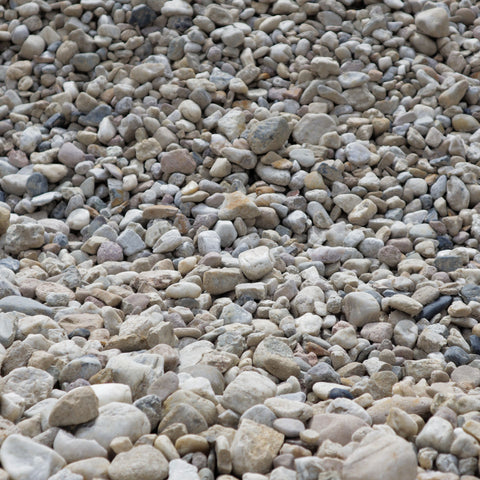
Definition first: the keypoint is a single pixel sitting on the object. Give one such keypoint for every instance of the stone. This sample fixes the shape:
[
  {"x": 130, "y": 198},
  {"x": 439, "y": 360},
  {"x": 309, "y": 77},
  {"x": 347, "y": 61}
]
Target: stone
[
  {"x": 177, "y": 161},
  {"x": 78, "y": 406},
  {"x": 114, "y": 420},
  {"x": 254, "y": 448},
  {"x": 311, "y": 127},
  {"x": 437, "y": 433},
  {"x": 85, "y": 62},
  {"x": 338, "y": 428},
  {"x": 143, "y": 461},
  {"x": 405, "y": 304},
  {"x": 362, "y": 213},
  {"x": 73, "y": 449},
  {"x": 246, "y": 390},
  {"x": 385, "y": 457},
  {"x": 256, "y": 263},
  {"x": 361, "y": 308},
  {"x": 30, "y": 383},
  {"x": 25, "y": 459},
  {"x": 24, "y": 236},
  {"x": 220, "y": 280},
  {"x": 402, "y": 423},
  {"x": 237, "y": 204},
  {"x": 433, "y": 22},
  {"x": 4, "y": 219},
  {"x": 109, "y": 252},
  {"x": 142, "y": 15},
  {"x": 269, "y": 135},
  {"x": 70, "y": 155},
  {"x": 276, "y": 358}
]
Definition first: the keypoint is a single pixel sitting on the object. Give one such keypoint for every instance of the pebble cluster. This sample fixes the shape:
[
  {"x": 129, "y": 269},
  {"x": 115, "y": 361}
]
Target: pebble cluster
[{"x": 239, "y": 240}]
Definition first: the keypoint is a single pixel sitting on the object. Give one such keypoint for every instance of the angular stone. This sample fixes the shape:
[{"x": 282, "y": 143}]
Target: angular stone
[
  {"x": 78, "y": 406},
  {"x": 276, "y": 357},
  {"x": 256, "y": 263},
  {"x": 254, "y": 448},
  {"x": 220, "y": 280},
  {"x": 269, "y": 135}
]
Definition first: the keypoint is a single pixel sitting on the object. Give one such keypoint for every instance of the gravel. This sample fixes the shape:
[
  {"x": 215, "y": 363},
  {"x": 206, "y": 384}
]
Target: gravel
[{"x": 239, "y": 240}]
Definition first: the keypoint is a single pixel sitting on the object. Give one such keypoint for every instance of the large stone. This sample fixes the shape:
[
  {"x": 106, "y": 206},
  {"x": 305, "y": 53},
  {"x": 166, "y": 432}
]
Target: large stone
[
  {"x": 256, "y": 263},
  {"x": 221, "y": 280},
  {"x": 179, "y": 160},
  {"x": 311, "y": 127},
  {"x": 269, "y": 135},
  {"x": 25, "y": 459},
  {"x": 335, "y": 427},
  {"x": 30, "y": 383},
  {"x": 437, "y": 433},
  {"x": 24, "y": 236},
  {"x": 115, "y": 420},
  {"x": 28, "y": 306},
  {"x": 248, "y": 389},
  {"x": 276, "y": 357},
  {"x": 433, "y": 22},
  {"x": 143, "y": 462},
  {"x": 361, "y": 308},
  {"x": 237, "y": 204},
  {"x": 386, "y": 457},
  {"x": 254, "y": 448},
  {"x": 80, "y": 405},
  {"x": 75, "y": 449}
]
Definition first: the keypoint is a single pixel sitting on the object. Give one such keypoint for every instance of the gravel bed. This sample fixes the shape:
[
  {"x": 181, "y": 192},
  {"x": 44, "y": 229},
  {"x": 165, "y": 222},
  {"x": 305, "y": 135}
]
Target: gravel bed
[{"x": 239, "y": 240}]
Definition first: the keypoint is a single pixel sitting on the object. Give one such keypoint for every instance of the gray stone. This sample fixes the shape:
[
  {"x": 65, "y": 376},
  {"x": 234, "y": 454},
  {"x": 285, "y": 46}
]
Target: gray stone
[{"x": 269, "y": 135}]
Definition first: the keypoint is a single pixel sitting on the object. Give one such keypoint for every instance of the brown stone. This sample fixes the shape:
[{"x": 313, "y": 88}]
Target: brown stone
[
  {"x": 180, "y": 161},
  {"x": 90, "y": 321},
  {"x": 159, "y": 211},
  {"x": 78, "y": 406}
]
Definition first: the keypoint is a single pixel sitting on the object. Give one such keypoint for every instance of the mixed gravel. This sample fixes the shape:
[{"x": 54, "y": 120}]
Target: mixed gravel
[{"x": 239, "y": 240}]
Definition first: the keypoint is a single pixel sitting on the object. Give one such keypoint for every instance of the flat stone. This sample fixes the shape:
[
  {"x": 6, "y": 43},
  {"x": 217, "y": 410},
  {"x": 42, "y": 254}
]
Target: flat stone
[
  {"x": 24, "y": 305},
  {"x": 73, "y": 449},
  {"x": 311, "y": 127},
  {"x": 179, "y": 161},
  {"x": 24, "y": 236},
  {"x": 220, "y": 280}
]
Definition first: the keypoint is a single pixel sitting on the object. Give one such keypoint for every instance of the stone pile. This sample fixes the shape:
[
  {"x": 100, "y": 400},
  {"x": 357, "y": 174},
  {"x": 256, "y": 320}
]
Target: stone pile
[{"x": 239, "y": 240}]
